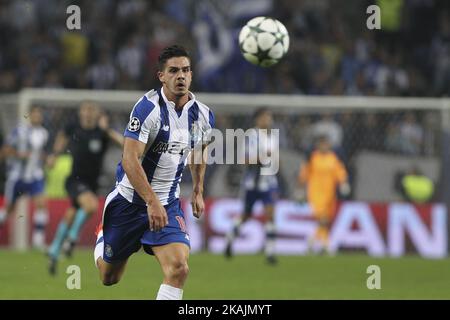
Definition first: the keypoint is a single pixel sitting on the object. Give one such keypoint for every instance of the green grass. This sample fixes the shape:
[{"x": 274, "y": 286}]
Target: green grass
[{"x": 24, "y": 276}]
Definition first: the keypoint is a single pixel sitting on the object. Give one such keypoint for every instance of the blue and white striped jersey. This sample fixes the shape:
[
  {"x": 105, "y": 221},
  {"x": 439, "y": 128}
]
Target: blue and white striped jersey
[
  {"x": 31, "y": 140},
  {"x": 169, "y": 136},
  {"x": 260, "y": 143}
]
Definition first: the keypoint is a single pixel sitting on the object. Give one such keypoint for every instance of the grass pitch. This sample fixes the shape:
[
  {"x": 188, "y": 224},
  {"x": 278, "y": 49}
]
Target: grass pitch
[{"x": 24, "y": 276}]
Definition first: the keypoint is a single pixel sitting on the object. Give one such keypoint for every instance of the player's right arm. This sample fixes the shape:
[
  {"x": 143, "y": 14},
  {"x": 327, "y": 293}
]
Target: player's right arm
[
  {"x": 60, "y": 144},
  {"x": 302, "y": 181},
  {"x": 11, "y": 152},
  {"x": 132, "y": 153}
]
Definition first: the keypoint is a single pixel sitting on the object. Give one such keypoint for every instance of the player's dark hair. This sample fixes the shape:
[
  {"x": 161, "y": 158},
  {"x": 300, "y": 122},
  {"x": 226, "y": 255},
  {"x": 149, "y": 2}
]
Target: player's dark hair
[
  {"x": 322, "y": 138},
  {"x": 89, "y": 102},
  {"x": 171, "y": 52},
  {"x": 35, "y": 107},
  {"x": 259, "y": 112}
]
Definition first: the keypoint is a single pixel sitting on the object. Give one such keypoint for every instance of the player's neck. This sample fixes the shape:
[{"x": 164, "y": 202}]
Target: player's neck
[
  {"x": 179, "y": 101},
  {"x": 87, "y": 125}
]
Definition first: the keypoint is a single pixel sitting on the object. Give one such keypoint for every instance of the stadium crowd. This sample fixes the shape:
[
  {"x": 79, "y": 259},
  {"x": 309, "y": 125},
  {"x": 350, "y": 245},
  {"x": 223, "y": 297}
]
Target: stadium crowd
[{"x": 332, "y": 51}]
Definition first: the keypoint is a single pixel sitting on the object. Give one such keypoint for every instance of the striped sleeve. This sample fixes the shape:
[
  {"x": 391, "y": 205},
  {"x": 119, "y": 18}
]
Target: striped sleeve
[
  {"x": 13, "y": 138},
  {"x": 142, "y": 119},
  {"x": 208, "y": 126}
]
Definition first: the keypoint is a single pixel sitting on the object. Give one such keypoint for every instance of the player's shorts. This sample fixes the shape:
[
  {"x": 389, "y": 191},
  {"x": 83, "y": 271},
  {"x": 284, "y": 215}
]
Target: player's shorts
[
  {"x": 75, "y": 187},
  {"x": 267, "y": 197},
  {"x": 16, "y": 188},
  {"x": 126, "y": 228}
]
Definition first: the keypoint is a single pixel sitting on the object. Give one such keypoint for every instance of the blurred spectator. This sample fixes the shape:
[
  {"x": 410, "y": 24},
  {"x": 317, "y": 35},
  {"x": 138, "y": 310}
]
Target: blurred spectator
[
  {"x": 329, "y": 52},
  {"x": 130, "y": 58},
  {"x": 52, "y": 80},
  {"x": 441, "y": 56},
  {"x": 329, "y": 128},
  {"x": 406, "y": 136},
  {"x": 302, "y": 134},
  {"x": 411, "y": 135},
  {"x": 102, "y": 75},
  {"x": 393, "y": 140},
  {"x": 414, "y": 186},
  {"x": 280, "y": 123},
  {"x": 75, "y": 46},
  {"x": 432, "y": 133},
  {"x": 369, "y": 133}
]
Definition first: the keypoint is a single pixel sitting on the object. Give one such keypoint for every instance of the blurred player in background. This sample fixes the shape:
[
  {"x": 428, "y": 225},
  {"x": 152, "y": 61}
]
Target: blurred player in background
[
  {"x": 319, "y": 179},
  {"x": 25, "y": 154},
  {"x": 87, "y": 140},
  {"x": 256, "y": 186},
  {"x": 144, "y": 208}
]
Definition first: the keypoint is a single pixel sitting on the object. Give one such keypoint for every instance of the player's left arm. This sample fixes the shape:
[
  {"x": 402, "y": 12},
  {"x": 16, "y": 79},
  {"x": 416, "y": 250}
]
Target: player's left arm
[
  {"x": 197, "y": 166},
  {"x": 342, "y": 178},
  {"x": 112, "y": 134}
]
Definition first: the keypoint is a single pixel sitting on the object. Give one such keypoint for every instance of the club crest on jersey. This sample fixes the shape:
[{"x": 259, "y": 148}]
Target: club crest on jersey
[
  {"x": 134, "y": 124},
  {"x": 108, "y": 251}
]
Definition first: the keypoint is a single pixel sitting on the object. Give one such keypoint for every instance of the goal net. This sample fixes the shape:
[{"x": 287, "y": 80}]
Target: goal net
[{"x": 376, "y": 137}]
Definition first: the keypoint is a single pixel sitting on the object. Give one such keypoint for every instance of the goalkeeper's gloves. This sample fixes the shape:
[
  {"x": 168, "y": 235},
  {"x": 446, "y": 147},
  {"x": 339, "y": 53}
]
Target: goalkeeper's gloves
[
  {"x": 345, "y": 189},
  {"x": 300, "y": 195}
]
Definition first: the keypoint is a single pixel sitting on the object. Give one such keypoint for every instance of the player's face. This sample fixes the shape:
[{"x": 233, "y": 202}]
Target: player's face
[
  {"x": 36, "y": 117},
  {"x": 265, "y": 120},
  {"x": 88, "y": 114},
  {"x": 176, "y": 76},
  {"x": 324, "y": 145}
]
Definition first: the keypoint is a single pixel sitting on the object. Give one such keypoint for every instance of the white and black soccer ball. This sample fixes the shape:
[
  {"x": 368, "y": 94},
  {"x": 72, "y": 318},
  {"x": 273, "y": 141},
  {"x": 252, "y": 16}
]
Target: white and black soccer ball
[{"x": 264, "y": 41}]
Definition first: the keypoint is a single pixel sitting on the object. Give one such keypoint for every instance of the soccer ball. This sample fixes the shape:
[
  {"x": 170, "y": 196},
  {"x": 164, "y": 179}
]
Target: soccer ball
[{"x": 264, "y": 41}]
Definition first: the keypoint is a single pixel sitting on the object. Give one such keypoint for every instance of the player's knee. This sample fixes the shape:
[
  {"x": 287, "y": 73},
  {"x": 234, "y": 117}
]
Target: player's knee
[
  {"x": 40, "y": 203},
  {"x": 91, "y": 206},
  {"x": 179, "y": 270}
]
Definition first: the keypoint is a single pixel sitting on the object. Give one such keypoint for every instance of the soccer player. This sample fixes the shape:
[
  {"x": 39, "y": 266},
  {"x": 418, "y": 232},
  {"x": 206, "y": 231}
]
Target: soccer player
[
  {"x": 320, "y": 177},
  {"x": 144, "y": 210},
  {"x": 256, "y": 186},
  {"x": 87, "y": 139},
  {"x": 25, "y": 154}
]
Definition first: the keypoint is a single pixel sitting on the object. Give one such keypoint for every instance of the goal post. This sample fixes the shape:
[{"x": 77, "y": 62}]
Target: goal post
[{"x": 236, "y": 110}]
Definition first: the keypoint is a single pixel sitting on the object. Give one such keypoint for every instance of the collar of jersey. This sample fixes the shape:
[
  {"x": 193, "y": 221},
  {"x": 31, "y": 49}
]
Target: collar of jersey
[{"x": 172, "y": 104}]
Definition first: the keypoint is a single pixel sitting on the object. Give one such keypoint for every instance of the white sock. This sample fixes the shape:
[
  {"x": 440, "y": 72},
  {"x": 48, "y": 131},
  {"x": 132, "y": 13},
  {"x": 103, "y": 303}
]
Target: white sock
[
  {"x": 40, "y": 222},
  {"x": 167, "y": 292},
  {"x": 98, "y": 251},
  {"x": 270, "y": 239},
  {"x": 41, "y": 217},
  {"x": 232, "y": 233}
]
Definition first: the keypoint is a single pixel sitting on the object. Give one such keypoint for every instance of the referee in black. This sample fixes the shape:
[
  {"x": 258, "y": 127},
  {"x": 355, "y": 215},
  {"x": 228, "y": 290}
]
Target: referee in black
[{"x": 87, "y": 140}]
